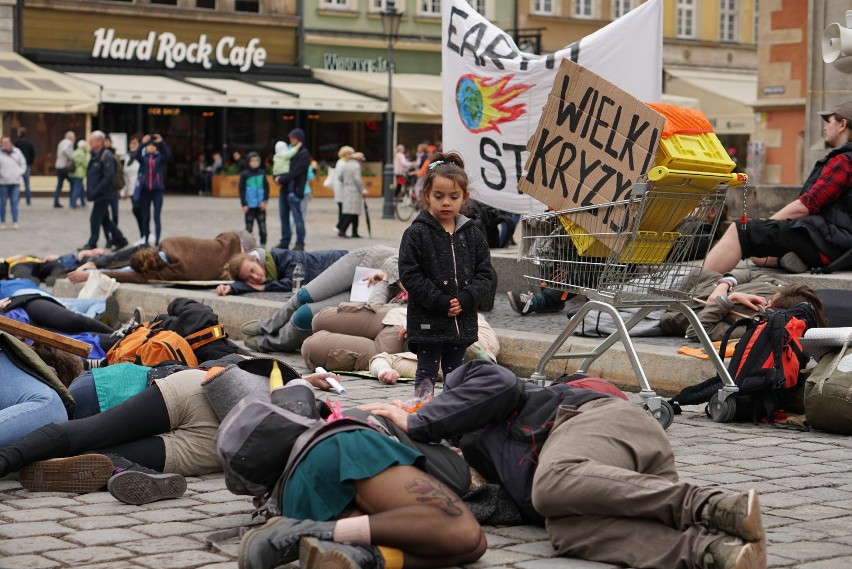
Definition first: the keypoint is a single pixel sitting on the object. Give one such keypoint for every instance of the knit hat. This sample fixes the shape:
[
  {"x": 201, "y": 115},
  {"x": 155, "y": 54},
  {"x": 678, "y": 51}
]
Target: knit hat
[
  {"x": 843, "y": 110},
  {"x": 252, "y": 154},
  {"x": 225, "y": 388},
  {"x": 298, "y": 134}
]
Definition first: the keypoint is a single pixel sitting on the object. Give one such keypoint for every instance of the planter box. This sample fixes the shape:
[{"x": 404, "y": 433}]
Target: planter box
[
  {"x": 373, "y": 185},
  {"x": 228, "y": 186}
]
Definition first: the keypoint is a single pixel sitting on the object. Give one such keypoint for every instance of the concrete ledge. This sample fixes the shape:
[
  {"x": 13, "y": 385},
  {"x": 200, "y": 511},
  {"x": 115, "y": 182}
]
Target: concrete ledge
[{"x": 667, "y": 371}]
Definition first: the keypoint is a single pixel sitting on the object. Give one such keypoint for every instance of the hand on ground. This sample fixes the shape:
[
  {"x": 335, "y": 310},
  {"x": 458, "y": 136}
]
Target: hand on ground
[
  {"x": 388, "y": 376},
  {"x": 223, "y": 290},
  {"x": 78, "y": 276}
]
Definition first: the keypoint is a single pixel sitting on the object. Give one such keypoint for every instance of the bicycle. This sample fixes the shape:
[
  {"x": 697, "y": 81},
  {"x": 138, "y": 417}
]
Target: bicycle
[{"x": 407, "y": 203}]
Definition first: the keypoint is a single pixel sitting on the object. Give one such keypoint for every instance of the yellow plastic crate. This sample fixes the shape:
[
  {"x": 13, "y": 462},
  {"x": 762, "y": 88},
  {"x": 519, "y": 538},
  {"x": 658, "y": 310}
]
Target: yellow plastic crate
[
  {"x": 650, "y": 247},
  {"x": 586, "y": 244},
  {"x": 702, "y": 152}
]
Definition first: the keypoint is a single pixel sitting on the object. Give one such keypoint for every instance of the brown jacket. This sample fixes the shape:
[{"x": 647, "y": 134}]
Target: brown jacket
[{"x": 190, "y": 259}]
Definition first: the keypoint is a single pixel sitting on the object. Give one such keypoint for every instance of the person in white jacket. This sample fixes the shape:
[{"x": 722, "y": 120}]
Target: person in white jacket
[
  {"x": 64, "y": 163},
  {"x": 12, "y": 168}
]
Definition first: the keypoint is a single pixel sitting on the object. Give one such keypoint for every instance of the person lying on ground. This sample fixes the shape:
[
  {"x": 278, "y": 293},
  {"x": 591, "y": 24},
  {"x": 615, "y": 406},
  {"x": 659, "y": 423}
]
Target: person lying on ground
[
  {"x": 291, "y": 324},
  {"x": 165, "y": 428},
  {"x": 371, "y": 337},
  {"x": 812, "y": 230},
  {"x": 603, "y": 478},
  {"x": 271, "y": 270},
  {"x": 50, "y": 267},
  {"x": 177, "y": 259}
]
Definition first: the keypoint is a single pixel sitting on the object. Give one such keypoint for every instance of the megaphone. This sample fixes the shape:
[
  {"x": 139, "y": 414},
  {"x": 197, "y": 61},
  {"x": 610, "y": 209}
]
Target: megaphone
[{"x": 837, "y": 45}]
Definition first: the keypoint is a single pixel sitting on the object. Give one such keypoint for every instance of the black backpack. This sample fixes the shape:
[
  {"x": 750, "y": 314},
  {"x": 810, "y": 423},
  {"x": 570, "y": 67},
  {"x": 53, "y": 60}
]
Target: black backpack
[
  {"x": 118, "y": 179},
  {"x": 766, "y": 367},
  {"x": 489, "y": 220}
]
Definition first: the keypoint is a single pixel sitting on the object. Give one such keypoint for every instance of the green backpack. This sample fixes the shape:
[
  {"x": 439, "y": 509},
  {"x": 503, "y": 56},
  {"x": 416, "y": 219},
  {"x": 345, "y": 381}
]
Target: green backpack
[{"x": 828, "y": 392}]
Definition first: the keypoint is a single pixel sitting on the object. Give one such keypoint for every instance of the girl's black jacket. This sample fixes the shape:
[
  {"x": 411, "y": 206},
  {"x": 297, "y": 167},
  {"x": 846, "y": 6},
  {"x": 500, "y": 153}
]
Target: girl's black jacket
[{"x": 435, "y": 267}]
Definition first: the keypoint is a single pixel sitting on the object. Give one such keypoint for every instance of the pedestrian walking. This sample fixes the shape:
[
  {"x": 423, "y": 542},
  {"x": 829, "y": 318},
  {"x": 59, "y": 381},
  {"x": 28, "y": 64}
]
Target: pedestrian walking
[
  {"x": 64, "y": 161},
  {"x": 131, "y": 185},
  {"x": 152, "y": 156},
  {"x": 343, "y": 156},
  {"x": 292, "y": 191},
  {"x": 100, "y": 190},
  {"x": 353, "y": 195},
  {"x": 445, "y": 265},
  {"x": 254, "y": 194},
  {"x": 12, "y": 168},
  {"x": 78, "y": 173},
  {"x": 28, "y": 150}
]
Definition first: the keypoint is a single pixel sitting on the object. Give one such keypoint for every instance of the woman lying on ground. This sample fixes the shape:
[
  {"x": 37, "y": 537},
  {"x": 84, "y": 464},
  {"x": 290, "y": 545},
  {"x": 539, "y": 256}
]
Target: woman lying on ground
[
  {"x": 371, "y": 337},
  {"x": 177, "y": 259},
  {"x": 271, "y": 270},
  {"x": 165, "y": 428},
  {"x": 287, "y": 329},
  {"x": 47, "y": 269}
]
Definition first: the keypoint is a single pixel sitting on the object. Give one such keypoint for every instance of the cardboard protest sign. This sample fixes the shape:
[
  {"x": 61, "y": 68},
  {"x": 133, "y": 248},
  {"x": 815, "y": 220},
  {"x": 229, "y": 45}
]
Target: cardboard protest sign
[{"x": 593, "y": 140}]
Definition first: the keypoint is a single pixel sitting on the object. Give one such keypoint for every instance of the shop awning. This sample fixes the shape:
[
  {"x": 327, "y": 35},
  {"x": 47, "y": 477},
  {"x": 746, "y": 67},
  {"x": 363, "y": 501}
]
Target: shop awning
[
  {"x": 25, "y": 87},
  {"x": 147, "y": 90},
  {"x": 319, "y": 97},
  {"x": 416, "y": 96},
  {"x": 725, "y": 97}
]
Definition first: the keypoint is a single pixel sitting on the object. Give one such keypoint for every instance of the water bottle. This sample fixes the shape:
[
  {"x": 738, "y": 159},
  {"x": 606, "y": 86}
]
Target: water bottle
[{"x": 298, "y": 276}]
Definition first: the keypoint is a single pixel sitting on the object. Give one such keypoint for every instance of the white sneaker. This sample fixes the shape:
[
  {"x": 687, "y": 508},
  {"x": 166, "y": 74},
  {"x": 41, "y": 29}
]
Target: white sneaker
[
  {"x": 139, "y": 242},
  {"x": 15, "y": 226},
  {"x": 2, "y": 226}
]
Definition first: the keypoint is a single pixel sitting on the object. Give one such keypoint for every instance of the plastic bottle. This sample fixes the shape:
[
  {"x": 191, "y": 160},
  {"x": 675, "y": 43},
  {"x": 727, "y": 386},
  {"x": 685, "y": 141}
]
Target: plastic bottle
[
  {"x": 298, "y": 276},
  {"x": 275, "y": 378}
]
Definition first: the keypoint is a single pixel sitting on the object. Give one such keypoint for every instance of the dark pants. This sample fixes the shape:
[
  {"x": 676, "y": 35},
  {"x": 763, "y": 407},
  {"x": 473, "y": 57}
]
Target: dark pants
[
  {"x": 27, "y": 190},
  {"x": 114, "y": 210},
  {"x": 98, "y": 217},
  {"x": 289, "y": 203},
  {"x": 255, "y": 213},
  {"x": 431, "y": 356},
  {"x": 52, "y": 315},
  {"x": 137, "y": 214},
  {"x": 146, "y": 200},
  {"x": 61, "y": 176},
  {"x": 348, "y": 219}
]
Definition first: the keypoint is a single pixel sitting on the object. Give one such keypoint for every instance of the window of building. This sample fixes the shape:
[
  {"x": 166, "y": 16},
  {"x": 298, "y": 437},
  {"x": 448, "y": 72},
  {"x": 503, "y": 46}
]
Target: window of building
[
  {"x": 206, "y": 4},
  {"x": 334, "y": 4},
  {"x": 543, "y": 7},
  {"x": 727, "y": 20},
  {"x": 686, "y": 14},
  {"x": 582, "y": 8},
  {"x": 430, "y": 7},
  {"x": 165, "y": 2},
  {"x": 621, "y": 7},
  {"x": 756, "y": 12},
  {"x": 252, "y": 6},
  {"x": 478, "y": 5}
]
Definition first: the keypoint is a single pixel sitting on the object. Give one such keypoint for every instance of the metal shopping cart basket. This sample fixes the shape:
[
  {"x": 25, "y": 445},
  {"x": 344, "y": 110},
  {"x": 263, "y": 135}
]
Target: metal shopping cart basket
[{"x": 632, "y": 253}]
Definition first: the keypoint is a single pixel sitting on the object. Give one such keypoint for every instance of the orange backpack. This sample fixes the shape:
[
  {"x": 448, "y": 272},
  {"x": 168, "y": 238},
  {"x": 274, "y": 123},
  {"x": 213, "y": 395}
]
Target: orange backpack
[{"x": 150, "y": 345}]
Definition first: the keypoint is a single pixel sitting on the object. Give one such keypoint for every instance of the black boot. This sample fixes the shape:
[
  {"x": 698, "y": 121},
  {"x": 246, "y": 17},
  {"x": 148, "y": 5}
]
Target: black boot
[
  {"x": 277, "y": 542},
  {"x": 133, "y": 483},
  {"x": 50, "y": 441},
  {"x": 317, "y": 554}
]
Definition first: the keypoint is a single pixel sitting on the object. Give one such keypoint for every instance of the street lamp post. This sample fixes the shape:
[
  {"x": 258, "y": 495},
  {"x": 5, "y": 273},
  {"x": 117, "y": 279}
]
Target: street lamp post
[{"x": 390, "y": 26}]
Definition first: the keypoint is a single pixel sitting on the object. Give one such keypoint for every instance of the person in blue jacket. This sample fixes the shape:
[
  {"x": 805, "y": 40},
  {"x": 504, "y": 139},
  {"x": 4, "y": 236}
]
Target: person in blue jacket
[
  {"x": 254, "y": 193},
  {"x": 271, "y": 270},
  {"x": 152, "y": 155}
]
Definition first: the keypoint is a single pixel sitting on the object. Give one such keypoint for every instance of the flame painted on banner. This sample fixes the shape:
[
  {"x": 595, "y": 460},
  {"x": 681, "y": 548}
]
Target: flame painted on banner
[{"x": 482, "y": 102}]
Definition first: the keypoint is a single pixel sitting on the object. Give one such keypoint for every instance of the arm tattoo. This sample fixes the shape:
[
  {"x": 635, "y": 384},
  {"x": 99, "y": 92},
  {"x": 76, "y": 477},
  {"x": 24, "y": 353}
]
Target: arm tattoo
[{"x": 434, "y": 493}]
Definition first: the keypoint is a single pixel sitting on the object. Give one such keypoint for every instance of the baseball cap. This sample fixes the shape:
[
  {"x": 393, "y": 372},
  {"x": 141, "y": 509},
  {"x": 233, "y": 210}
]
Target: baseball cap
[{"x": 843, "y": 110}]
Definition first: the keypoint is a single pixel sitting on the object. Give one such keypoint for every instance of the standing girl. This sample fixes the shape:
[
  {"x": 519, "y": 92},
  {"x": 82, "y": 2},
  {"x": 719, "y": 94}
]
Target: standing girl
[{"x": 445, "y": 265}]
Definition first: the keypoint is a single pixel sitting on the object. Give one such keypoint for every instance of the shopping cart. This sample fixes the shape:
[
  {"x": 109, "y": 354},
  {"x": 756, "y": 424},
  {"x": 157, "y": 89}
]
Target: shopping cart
[{"x": 634, "y": 253}]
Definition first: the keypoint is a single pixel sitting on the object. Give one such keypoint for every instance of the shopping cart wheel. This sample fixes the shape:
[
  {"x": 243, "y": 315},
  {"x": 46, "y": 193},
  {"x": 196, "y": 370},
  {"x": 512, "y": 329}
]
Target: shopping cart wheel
[
  {"x": 722, "y": 411},
  {"x": 664, "y": 415}
]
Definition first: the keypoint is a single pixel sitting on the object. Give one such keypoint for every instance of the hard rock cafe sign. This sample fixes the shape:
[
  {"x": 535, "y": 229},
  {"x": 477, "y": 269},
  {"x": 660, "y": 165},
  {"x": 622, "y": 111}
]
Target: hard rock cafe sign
[{"x": 165, "y": 48}]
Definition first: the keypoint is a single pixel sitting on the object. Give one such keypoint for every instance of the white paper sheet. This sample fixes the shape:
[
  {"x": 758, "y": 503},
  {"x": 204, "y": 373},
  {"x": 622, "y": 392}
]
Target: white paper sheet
[{"x": 360, "y": 287}]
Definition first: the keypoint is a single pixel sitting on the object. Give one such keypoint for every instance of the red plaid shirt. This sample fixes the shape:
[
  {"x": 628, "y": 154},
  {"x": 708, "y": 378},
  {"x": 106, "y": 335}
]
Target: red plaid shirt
[{"x": 834, "y": 181}]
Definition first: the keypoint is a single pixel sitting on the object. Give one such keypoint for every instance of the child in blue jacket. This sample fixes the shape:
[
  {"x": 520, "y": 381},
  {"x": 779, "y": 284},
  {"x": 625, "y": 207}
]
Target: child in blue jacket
[{"x": 254, "y": 193}]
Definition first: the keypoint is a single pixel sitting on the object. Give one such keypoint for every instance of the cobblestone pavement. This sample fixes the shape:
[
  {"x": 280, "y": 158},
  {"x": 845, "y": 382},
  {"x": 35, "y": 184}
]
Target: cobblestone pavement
[{"x": 803, "y": 477}]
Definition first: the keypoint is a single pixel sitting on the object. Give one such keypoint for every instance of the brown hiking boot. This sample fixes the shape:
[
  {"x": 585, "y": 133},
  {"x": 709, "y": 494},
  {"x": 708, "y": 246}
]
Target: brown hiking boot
[
  {"x": 729, "y": 552},
  {"x": 318, "y": 554},
  {"x": 735, "y": 514},
  {"x": 82, "y": 474}
]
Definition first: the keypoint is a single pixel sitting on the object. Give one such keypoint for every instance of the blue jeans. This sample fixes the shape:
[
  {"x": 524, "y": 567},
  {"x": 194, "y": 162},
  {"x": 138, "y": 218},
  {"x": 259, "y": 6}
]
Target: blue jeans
[
  {"x": 27, "y": 191},
  {"x": 61, "y": 176},
  {"x": 288, "y": 204},
  {"x": 12, "y": 192},
  {"x": 77, "y": 192},
  {"x": 25, "y": 403},
  {"x": 146, "y": 199}
]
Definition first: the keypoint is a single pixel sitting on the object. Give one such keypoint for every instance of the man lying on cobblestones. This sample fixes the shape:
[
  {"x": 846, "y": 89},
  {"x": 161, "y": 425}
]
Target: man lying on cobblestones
[{"x": 605, "y": 479}]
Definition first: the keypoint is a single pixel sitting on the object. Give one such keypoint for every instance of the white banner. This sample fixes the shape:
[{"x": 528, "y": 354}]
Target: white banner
[{"x": 494, "y": 93}]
